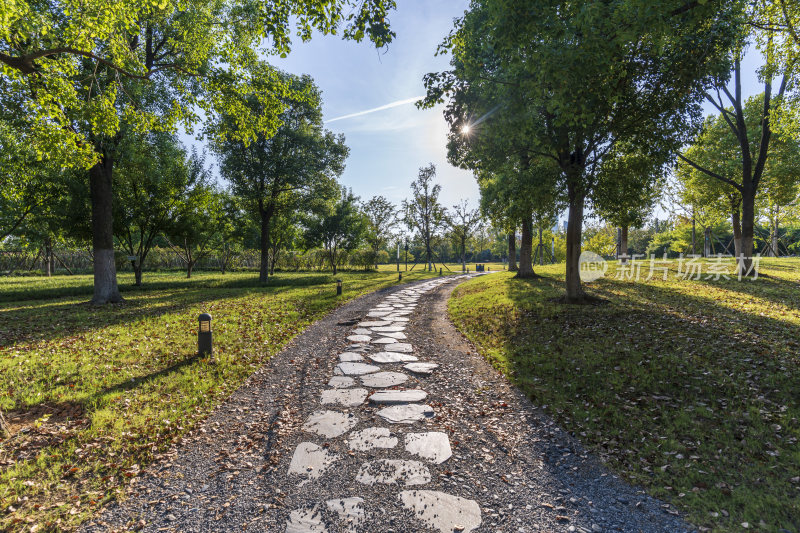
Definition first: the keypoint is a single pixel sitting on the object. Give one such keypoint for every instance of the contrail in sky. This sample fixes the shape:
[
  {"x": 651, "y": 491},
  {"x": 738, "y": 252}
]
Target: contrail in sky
[{"x": 374, "y": 109}]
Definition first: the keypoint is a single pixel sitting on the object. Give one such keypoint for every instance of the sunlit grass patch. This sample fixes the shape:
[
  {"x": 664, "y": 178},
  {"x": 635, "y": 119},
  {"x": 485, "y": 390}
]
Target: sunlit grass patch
[
  {"x": 95, "y": 394},
  {"x": 687, "y": 387}
]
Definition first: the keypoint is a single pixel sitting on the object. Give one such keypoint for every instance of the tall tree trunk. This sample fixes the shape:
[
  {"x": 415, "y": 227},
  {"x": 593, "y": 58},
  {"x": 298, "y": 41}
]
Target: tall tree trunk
[
  {"x": 540, "y": 249},
  {"x": 623, "y": 244},
  {"x": 707, "y": 242},
  {"x": 189, "y": 266},
  {"x": 137, "y": 273},
  {"x": 526, "y": 250},
  {"x": 574, "y": 228},
  {"x": 748, "y": 223},
  {"x": 48, "y": 256},
  {"x": 737, "y": 233},
  {"x": 105, "y": 270},
  {"x": 263, "y": 273},
  {"x": 774, "y": 243},
  {"x": 512, "y": 252}
]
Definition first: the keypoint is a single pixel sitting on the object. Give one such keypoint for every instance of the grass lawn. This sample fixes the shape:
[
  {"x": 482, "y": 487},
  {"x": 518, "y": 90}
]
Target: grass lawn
[
  {"x": 690, "y": 388},
  {"x": 95, "y": 394}
]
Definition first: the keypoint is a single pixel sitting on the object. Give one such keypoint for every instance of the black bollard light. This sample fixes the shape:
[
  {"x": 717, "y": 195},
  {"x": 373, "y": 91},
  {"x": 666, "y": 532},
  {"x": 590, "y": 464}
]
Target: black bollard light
[
  {"x": 399, "y": 276},
  {"x": 204, "y": 340},
  {"x": 440, "y": 271},
  {"x": 338, "y": 287}
]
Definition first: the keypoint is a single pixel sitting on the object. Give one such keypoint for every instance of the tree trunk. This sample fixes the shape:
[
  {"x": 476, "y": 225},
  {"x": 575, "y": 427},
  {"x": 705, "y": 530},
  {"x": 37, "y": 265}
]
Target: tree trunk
[
  {"x": 707, "y": 242},
  {"x": 540, "y": 249},
  {"x": 748, "y": 223},
  {"x": 137, "y": 273},
  {"x": 105, "y": 270},
  {"x": 574, "y": 228},
  {"x": 623, "y": 244},
  {"x": 774, "y": 243},
  {"x": 263, "y": 273},
  {"x": 48, "y": 256},
  {"x": 512, "y": 252},
  {"x": 334, "y": 267},
  {"x": 189, "y": 266},
  {"x": 737, "y": 234},
  {"x": 526, "y": 250}
]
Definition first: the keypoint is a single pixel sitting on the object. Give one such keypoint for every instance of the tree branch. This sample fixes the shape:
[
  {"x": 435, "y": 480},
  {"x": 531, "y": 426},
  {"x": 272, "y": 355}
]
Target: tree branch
[{"x": 723, "y": 179}]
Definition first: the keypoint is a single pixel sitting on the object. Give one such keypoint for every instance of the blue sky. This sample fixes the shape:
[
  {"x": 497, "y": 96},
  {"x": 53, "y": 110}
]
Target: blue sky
[{"x": 388, "y": 146}]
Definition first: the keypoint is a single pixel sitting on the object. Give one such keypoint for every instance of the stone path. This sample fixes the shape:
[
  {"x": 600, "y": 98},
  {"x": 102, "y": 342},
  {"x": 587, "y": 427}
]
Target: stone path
[
  {"x": 401, "y": 427},
  {"x": 381, "y": 418}
]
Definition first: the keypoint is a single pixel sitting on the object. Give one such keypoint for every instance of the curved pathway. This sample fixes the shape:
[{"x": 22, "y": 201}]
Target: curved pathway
[{"x": 381, "y": 418}]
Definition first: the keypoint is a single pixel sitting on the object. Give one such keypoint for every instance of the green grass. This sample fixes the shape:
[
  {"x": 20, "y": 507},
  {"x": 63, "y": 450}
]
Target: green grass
[
  {"x": 689, "y": 388},
  {"x": 100, "y": 392}
]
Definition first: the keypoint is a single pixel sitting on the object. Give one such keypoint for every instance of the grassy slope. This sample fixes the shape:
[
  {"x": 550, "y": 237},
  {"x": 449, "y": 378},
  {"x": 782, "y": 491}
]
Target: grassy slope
[
  {"x": 100, "y": 392},
  {"x": 689, "y": 388}
]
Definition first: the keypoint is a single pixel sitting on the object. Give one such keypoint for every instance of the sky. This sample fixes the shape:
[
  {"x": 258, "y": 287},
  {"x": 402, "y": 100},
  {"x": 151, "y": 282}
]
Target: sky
[
  {"x": 389, "y": 138},
  {"x": 387, "y": 147}
]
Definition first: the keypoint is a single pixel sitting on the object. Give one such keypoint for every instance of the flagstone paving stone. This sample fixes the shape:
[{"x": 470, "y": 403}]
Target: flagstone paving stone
[
  {"x": 394, "y": 471},
  {"x": 356, "y": 369},
  {"x": 310, "y": 461},
  {"x": 384, "y": 340},
  {"x": 330, "y": 423},
  {"x": 406, "y": 413},
  {"x": 384, "y": 329},
  {"x": 341, "y": 382},
  {"x": 392, "y": 357},
  {"x": 432, "y": 445},
  {"x": 398, "y": 396},
  {"x": 344, "y": 397},
  {"x": 441, "y": 511},
  {"x": 350, "y": 357},
  {"x": 381, "y": 380},
  {"x": 370, "y": 438},
  {"x": 421, "y": 368},
  {"x": 403, "y": 347}
]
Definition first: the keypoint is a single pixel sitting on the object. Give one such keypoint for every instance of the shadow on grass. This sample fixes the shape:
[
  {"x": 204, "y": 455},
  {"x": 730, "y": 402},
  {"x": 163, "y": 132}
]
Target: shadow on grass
[
  {"x": 660, "y": 373},
  {"x": 85, "y": 288},
  {"x": 45, "y": 319}
]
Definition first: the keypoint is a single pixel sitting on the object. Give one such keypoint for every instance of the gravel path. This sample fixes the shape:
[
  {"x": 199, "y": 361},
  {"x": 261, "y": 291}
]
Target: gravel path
[{"x": 382, "y": 418}]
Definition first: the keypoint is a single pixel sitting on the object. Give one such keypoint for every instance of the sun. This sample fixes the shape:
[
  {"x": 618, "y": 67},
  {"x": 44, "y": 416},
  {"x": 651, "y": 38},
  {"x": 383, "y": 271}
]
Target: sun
[{"x": 465, "y": 129}]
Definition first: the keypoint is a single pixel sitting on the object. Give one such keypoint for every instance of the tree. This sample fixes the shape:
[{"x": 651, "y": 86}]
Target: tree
[
  {"x": 576, "y": 78},
  {"x": 300, "y": 158},
  {"x": 423, "y": 213},
  {"x": 198, "y": 221},
  {"x": 713, "y": 169},
  {"x": 339, "y": 229},
  {"x": 153, "y": 182},
  {"x": 626, "y": 191},
  {"x": 75, "y": 70},
  {"x": 25, "y": 183},
  {"x": 381, "y": 219},
  {"x": 780, "y": 190},
  {"x": 521, "y": 192},
  {"x": 462, "y": 223},
  {"x": 750, "y": 122}
]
